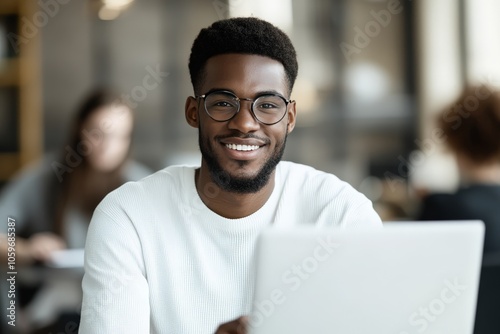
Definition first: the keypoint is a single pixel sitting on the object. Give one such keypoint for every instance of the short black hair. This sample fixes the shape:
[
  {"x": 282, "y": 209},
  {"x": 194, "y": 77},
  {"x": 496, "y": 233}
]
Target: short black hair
[{"x": 246, "y": 35}]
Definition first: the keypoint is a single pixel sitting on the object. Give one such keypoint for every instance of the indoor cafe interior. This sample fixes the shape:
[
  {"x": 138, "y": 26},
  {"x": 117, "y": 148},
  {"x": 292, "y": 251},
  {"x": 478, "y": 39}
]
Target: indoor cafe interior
[{"x": 383, "y": 90}]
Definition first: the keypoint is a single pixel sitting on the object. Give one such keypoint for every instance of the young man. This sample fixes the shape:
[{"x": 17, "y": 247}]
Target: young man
[{"x": 173, "y": 253}]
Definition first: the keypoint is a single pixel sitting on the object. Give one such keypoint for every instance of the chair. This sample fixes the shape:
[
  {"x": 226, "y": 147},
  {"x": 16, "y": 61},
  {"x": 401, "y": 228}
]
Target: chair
[{"x": 488, "y": 302}]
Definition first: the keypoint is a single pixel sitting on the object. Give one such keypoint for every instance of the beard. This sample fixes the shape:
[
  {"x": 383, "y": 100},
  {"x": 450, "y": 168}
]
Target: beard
[{"x": 240, "y": 185}]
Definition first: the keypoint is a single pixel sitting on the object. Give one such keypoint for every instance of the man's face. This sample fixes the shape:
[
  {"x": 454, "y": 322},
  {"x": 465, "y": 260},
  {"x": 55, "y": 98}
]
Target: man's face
[{"x": 241, "y": 169}]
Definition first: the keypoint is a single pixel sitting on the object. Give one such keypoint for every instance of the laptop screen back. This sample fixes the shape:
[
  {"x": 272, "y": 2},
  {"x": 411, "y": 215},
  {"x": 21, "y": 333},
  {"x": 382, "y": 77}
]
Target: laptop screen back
[{"x": 406, "y": 278}]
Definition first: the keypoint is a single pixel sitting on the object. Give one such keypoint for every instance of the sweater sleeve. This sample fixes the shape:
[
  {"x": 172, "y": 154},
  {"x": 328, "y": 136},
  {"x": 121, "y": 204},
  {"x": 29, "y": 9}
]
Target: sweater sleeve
[
  {"x": 115, "y": 289},
  {"x": 363, "y": 216}
]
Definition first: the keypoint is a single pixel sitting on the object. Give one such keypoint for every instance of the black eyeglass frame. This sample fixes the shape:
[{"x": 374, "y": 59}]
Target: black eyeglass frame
[{"x": 204, "y": 96}]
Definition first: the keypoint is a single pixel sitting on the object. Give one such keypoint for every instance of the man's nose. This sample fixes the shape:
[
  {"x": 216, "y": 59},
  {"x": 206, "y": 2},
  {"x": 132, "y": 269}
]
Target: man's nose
[{"x": 244, "y": 121}]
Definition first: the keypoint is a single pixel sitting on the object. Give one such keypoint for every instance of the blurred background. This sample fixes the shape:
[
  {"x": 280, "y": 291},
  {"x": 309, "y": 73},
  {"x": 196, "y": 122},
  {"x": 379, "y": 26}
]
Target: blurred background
[
  {"x": 373, "y": 74},
  {"x": 373, "y": 77}
]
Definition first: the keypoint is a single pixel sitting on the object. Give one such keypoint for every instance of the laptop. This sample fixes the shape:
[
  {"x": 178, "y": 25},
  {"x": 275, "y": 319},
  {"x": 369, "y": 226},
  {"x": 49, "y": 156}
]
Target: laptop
[{"x": 409, "y": 277}]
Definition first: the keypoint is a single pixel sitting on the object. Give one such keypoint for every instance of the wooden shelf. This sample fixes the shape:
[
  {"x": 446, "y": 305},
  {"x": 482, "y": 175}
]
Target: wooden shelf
[
  {"x": 9, "y": 72},
  {"x": 9, "y": 164},
  {"x": 23, "y": 73},
  {"x": 9, "y": 7}
]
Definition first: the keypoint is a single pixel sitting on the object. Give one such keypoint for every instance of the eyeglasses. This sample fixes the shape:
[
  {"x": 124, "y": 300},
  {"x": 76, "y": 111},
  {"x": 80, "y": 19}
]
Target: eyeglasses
[{"x": 223, "y": 105}]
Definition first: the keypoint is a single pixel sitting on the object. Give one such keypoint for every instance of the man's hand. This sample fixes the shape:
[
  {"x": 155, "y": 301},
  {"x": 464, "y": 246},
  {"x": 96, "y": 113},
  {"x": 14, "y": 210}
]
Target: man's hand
[{"x": 237, "y": 326}]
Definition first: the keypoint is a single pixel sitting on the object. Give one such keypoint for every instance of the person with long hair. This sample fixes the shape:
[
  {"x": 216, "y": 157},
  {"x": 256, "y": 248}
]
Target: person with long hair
[{"x": 52, "y": 203}]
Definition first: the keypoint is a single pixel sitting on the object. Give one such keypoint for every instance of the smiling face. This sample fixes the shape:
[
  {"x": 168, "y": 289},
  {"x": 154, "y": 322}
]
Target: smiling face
[{"x": 241, "y": 154}]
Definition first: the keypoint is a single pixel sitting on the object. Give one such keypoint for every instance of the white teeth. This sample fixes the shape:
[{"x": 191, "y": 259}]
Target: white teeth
[{"x": 242, "y": 147}]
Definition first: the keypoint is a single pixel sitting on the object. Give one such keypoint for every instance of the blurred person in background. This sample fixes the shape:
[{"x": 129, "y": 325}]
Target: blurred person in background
[
  {"x": 52, "y": 202},
  {"x": 471, "y": 130}
]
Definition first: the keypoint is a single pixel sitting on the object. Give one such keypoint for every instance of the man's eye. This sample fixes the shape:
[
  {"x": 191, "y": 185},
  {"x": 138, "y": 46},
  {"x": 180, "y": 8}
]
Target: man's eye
[
  {"x": 223, "y": 104},
  {"x": 267, "y": 106}
]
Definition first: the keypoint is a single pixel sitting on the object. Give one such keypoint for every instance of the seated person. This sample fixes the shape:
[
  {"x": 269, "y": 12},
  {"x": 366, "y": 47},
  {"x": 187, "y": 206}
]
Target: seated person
[
  {"x": 173, "y": 252},
  {"x": 52, "y": 202},
  {"x": 472, "y": 132}
]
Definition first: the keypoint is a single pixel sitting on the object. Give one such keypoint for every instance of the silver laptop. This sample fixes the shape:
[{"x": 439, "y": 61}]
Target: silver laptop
[{"x": 409, "y": 277}]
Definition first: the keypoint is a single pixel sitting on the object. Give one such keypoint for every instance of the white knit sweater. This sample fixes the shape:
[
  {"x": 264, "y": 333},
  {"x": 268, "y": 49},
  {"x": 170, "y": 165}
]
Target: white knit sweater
[{"x": 159, "y": 261}]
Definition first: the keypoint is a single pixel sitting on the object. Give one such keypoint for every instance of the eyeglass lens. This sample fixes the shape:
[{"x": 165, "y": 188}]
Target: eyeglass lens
[{"x": 267, "y": 108}]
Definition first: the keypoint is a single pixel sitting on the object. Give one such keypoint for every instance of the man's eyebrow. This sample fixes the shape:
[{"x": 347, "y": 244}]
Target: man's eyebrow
[
  {"x": 268, "y": 92},
  {"x": 218, "y": 90},
  {"x": 260, "y": 93}
]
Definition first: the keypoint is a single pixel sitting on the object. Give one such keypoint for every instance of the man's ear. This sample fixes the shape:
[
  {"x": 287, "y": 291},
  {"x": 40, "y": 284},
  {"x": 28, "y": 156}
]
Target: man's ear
[
  {"x": 191, "y": 112},
  {"x": 291, "y": 116}
]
